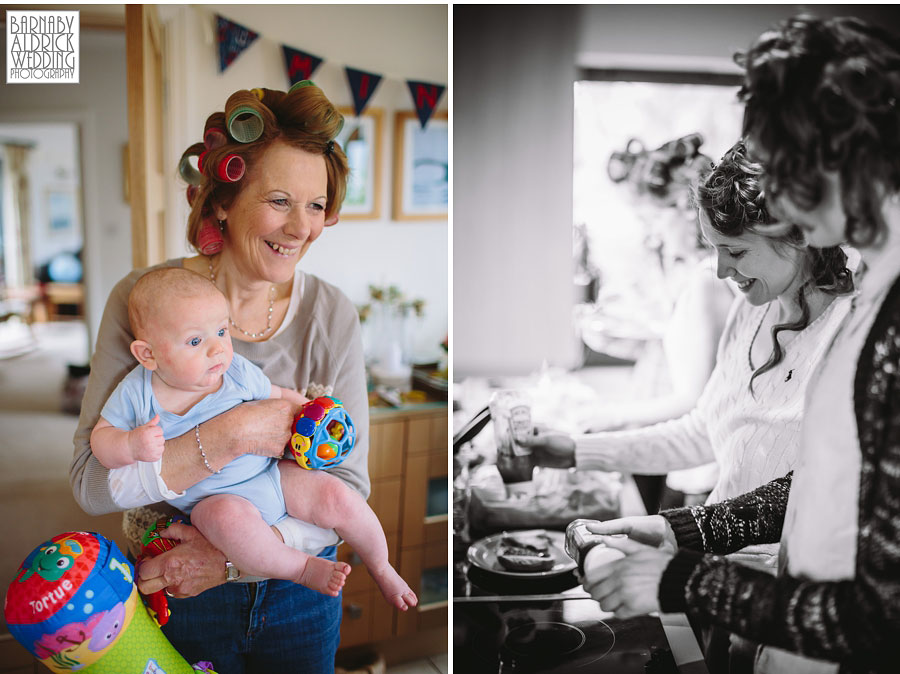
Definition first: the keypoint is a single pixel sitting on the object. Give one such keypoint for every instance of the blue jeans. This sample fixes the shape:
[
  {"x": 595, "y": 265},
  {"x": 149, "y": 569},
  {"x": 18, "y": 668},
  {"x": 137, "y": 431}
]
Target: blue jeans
[{"x": 249, "y": 628}]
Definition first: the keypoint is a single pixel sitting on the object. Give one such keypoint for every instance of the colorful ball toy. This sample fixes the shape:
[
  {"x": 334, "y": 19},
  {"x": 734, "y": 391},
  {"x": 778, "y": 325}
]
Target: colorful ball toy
[
  {"x": 323, "y": 434},
  {"x": 74, "y": 605}
]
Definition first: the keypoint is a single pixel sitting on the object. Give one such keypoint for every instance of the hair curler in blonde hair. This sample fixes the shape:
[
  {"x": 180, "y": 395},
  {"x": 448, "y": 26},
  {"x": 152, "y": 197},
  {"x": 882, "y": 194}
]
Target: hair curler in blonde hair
[{"x": 244, "y": 121}]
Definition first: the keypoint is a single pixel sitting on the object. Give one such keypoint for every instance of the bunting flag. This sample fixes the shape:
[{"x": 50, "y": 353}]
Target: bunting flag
[
  {"x": 362, "y": 86},
  {"x": 300, "y": 64},
  {"x": 233, "y": 39},
  {"x": 426, "y": 97}
]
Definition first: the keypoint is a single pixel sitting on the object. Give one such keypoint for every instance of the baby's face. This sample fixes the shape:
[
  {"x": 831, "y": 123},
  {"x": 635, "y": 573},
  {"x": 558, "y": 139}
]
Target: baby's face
[{"x": 191, "y": 343}]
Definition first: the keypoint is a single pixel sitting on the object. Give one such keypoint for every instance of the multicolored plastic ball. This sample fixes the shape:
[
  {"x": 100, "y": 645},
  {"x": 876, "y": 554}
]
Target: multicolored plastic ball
[{"x": 323, "y": 434}]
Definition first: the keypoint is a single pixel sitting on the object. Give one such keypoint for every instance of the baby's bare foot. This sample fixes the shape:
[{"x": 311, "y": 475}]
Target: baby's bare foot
[
  {"x": 394, "y": 588},
  {"x": 325, "y": 576}
]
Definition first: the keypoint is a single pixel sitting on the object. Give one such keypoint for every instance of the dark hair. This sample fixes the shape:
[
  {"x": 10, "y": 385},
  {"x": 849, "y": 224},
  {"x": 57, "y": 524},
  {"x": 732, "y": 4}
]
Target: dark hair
[
  {"x": 822, "y": 95},
  {"x": 665, "y": 173},
  {"x": 731, "y": 196},
  {"x": 303, "y": 118}
]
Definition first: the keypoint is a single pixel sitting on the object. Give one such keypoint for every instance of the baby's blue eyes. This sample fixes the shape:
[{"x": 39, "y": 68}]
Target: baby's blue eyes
[
  {"x": 221, "y": 332},
  {"x": 195, "y": 341}
]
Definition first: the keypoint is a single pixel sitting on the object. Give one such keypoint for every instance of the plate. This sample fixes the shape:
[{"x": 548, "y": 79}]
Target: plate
[{"x": 483, "y": 554}]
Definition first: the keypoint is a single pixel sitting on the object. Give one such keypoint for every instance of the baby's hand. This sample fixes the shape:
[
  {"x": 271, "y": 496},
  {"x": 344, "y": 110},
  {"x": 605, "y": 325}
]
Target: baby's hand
[{"x": 146, "y": 442}]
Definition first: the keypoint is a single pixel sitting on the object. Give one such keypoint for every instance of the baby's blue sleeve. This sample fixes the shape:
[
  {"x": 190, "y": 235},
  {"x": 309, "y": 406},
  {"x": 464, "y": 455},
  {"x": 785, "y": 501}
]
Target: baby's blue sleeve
[
  {"x": 122, "y": 407},
  {"x": 256, "y": 383}
]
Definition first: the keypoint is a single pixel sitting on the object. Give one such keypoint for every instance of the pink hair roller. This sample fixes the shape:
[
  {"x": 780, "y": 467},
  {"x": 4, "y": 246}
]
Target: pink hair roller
[
  {"x": 214, "y": 138},
  {"x": 200, "y": 161},
  {"x": 231, "y": 168},
  {"x": 209, "y": 239}
]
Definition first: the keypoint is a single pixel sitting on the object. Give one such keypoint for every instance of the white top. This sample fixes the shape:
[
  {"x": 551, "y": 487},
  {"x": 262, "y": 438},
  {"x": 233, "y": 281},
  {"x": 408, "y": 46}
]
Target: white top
[{"x": 753, "y": 438}]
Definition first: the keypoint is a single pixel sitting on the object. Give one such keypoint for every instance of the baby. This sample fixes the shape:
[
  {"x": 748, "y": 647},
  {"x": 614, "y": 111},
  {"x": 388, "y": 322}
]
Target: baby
[{"x": 188, "y": 374}]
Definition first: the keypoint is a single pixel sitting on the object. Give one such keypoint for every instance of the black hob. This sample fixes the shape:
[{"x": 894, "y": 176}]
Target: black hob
[
  {"x": 553, "y": 637},
  {"x": 548, "y": 636}
]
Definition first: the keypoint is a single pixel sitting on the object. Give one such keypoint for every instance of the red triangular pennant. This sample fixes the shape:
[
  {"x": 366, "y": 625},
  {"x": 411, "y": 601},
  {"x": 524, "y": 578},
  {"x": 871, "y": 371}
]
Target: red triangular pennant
[
  {"x": 425, "y": 96},
  {"x": 362, "y": 86},
  {"x": 299, "y": 65},
  {"x": 233, "y": 39}
]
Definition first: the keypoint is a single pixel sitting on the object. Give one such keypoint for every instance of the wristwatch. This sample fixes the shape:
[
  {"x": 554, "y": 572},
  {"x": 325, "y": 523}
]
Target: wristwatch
[{"x": 232, "y": 573}]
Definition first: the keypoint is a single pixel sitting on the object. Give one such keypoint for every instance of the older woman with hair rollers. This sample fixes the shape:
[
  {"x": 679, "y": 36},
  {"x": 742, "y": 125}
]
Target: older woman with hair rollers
[
  {"x": 269, "y": 179},
  {"x": 822, "y": 113}
]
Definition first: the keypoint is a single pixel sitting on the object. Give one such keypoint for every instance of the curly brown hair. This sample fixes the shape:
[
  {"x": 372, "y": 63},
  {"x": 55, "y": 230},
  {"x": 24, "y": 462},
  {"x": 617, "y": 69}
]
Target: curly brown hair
[
  {"x": 731, "y": 196},
  {"x": 303, "y": 118},
  {"x": 821, "y": 95}
]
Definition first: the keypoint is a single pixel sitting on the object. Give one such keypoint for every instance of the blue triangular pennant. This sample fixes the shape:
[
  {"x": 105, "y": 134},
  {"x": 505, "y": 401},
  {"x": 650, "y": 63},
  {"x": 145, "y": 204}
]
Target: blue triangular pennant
[
  {"x": 233, "y": 39},
  {"x": 362, "y": 86},
  {"x": 425, "y": 96},
  {"x": 299, "y": 65}
]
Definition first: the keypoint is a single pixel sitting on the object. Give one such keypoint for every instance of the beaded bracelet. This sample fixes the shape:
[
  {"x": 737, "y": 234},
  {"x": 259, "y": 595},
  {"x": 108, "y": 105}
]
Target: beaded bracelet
[{"x": 202, "y": 453}]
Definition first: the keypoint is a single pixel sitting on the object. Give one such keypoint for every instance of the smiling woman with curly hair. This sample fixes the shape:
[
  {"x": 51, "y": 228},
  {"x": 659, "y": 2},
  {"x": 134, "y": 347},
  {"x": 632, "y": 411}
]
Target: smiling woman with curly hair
[{"x": 822, "y": 115}]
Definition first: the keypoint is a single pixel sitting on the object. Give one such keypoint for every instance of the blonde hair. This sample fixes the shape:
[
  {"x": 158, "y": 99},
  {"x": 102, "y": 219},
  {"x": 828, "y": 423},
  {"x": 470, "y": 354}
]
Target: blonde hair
[
  {"x": 303, "y": 118},
  {"x": 159, "y": 287}
]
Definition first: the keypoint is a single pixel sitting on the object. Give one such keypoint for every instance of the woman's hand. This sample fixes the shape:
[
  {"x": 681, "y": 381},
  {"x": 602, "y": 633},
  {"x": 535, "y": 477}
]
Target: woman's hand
[
  {"x": 260, "y": 427},
  {"x": 630, "y": 586},
  {"x": 192, "y": 566},
  {"x": 553, "y": 449},
  {"x": 652, "y": 530}
]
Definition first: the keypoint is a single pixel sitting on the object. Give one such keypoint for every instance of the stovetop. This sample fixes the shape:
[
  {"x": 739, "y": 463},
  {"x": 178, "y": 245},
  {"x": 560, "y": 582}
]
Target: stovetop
[
  {"x": 553, "y": 637},
  {"x": 499, "y": 634}
]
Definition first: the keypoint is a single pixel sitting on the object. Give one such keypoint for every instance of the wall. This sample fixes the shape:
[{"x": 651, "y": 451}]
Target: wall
[
  {"x": 98, "y": 106},
  {"x": 398, "y": 41},
  {"x": 512, "y": 188},
  {"x": 686, "y": 36}
]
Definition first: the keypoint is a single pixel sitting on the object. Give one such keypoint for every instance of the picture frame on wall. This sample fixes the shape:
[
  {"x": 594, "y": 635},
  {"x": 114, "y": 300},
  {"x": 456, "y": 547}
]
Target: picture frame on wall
[
  {"x": 61, "y": 216},
  {"x": 361, "y": 140},
  {"x": 421, "y": 167}
]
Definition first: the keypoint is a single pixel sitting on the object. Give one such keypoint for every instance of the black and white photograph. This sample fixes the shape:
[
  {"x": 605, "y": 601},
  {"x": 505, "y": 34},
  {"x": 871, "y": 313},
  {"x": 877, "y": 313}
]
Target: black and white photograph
[{"x": 674, "y": 361}]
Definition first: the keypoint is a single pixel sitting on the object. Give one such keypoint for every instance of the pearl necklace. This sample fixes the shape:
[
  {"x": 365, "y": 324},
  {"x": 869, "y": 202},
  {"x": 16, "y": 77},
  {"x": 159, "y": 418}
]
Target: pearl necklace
[{"x": 252, "y": 335}]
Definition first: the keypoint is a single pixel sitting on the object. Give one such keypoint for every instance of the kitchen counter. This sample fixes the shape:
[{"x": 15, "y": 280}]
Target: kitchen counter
[{"x": 547, "y": 624}]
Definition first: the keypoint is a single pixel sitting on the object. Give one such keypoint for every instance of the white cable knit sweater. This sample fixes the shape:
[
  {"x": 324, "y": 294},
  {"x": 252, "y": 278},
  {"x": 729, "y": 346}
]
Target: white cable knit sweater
[{"x": 752, "y": 440}]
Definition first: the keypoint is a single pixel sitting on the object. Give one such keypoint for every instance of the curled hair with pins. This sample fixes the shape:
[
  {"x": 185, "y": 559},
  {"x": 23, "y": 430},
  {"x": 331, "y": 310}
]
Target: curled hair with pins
[
  {"x": 666, "y": 173},
  {"x": 823, "y": 95},
  {"x": 731, "y": 196},
  {"x": 303, "y": 118}
]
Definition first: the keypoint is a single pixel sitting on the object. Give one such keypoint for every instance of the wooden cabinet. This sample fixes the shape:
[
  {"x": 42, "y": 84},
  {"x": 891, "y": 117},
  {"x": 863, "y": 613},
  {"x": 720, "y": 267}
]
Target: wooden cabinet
[{"x": 408, "y": 467}]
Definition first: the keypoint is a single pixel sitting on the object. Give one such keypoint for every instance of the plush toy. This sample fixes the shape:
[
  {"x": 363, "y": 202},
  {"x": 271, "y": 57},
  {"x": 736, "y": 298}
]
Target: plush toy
[
  {"x": 323, "y": 434},
  {"x": 74, "y": 605}
]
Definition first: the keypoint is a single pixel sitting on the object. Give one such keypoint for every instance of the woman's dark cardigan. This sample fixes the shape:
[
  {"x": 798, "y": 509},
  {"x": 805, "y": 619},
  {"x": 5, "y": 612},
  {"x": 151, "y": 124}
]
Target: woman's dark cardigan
[{"x": 853, "y": 622}]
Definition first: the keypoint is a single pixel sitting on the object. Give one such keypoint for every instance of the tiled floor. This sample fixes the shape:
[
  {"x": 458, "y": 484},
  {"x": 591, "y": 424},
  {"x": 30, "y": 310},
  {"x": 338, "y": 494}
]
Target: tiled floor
[{"x": 436, "y": 664}]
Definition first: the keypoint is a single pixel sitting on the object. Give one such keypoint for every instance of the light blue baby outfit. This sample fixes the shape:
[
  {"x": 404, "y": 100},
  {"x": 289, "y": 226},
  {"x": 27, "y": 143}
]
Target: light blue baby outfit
[{"x": 256, "y": 478}]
